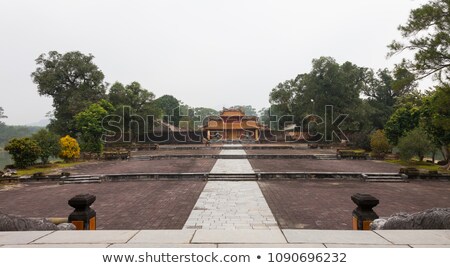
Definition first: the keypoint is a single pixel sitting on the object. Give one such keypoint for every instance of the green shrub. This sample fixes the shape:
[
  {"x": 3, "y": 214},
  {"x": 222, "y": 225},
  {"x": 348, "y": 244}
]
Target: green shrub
[
  {"x": 415, "y": 143},
  {"x": 379, "y": 144},
  {"x": 49, "y": 143},
  {"x": 70, "y": 149},
  {"x": 24, "y": 151}
]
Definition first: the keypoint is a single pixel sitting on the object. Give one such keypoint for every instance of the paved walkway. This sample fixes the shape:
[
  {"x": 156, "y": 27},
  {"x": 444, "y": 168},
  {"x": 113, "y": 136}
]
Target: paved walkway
[
  {"x": 231, "y": 205},
  {"x": 230, "y": 166},
  {"x": 231, "y": 238}
]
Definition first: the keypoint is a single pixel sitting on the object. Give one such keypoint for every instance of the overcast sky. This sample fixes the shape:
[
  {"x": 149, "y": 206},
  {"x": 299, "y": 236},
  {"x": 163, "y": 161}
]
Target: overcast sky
[{"x": 205, "y": 53}]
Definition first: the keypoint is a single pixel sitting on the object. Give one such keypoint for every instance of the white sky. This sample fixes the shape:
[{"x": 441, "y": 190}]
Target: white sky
[{"x": 205, "y": 53}]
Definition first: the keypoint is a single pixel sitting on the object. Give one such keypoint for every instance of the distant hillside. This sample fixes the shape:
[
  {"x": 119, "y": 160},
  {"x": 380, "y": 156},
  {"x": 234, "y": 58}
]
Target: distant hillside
[
  {"x": 9, "y": 132},
  {"x": 40, "y": 123}
]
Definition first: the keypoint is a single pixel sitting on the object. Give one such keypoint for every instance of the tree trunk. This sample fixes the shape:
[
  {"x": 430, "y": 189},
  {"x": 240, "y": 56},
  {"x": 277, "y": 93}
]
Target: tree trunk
[{"x": 445, "y": 152}]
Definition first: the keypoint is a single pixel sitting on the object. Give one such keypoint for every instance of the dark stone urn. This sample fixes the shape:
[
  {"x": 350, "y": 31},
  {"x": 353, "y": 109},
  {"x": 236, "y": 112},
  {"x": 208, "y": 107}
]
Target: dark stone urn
[
  {"x": 83, "y": 217},
  {"x": 364, "y": 215}
]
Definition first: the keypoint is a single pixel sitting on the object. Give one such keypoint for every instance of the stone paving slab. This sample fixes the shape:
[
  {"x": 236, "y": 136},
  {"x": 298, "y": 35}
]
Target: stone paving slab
[
  {"x": 12, "y": 238},
  {"x": 87, "y": 237},
  {"x": 233, "y": 239},
  {"x": 424, "y": 237},
  {"x": 230, "y": 166},
  {"x": 271, "y": 246},
  {"x": 232, "y": 145},
  {"x": 229, "y": 205},
  {"x": 232, "y": 152},
  {"x": 364, "y": 246},
  {"x": 239, "y": 237},
  {"x": 429, "y": 246},
  {"x": 163, "y": 237},
  {"x": 334, "y": 237},
  {"x": 163, "y": 246},
  {"x": 58, "y": 246}
]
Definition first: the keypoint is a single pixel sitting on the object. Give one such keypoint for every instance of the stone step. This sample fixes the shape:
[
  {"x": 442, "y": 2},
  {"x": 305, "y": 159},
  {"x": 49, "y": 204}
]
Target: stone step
[
  {"x": 81, "y": 179},
  {"x": 232, "y": 177},
  {"x": 384, "y": 177},
  {"x": 385, "y": 180},
  {"x": 325, "y": 156}
]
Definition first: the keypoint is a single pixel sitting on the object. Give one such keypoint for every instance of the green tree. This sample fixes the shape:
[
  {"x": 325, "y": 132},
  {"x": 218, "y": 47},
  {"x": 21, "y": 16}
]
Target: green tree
[
  {"x": 379, "y": 144},
  {"x": 247, "y": 109},
  {"x": 384, "y": 89},
  {"x": 2, "y": 115},
  {"x": 89, "y": 122},
  {"x": 204, "y": 112},
  {"x": 24, "y": 151},
  {"x": 168, "y": 105},
  {"x": 415, "y": 143},
  {"x": 427, "y": 35},
  {"x": 48, "y": 142},
  {"x": 404, "y": 119},
  {"x": 134, "y": 105},
  {"x": 328, "y": 83},
  {"x": 73, "y": 81},
  {"x": 435, "y": 113}
]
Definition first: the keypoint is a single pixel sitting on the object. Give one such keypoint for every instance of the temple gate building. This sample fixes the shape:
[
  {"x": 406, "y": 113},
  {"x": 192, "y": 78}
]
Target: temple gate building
[{"x": 233, "y": 125}]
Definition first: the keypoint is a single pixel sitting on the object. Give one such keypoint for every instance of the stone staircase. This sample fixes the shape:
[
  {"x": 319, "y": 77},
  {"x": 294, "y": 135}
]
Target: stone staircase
[
  {"x": 325, "y": 156},
  {"x": 384, "y": 177},
  {"x": 232, "y": 177},
  {"x": 80, "y": 179}
]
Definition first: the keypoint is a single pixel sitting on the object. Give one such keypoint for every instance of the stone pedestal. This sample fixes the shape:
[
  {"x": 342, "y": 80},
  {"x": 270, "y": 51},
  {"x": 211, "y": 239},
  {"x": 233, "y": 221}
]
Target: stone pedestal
[
  {"x": 83, "y": 217},
  {"x": 364, "y": 215}
]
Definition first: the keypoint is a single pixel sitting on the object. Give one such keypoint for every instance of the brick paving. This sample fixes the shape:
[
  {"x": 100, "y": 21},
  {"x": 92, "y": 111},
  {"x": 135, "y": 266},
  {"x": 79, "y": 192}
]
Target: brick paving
[
  {"x": 119, "y": 205},
  {"x": 313, "y": 165},
  {"x": 144, "y": 166},
  {"x": 327, "y": 205},
  {"x": 211, "y": 151}
]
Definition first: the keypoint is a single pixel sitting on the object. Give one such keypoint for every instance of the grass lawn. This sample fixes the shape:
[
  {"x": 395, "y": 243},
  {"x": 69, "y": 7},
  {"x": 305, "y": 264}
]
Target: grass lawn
[
  {"x": 45, "y": 168},
  {"x": 419, "y": 165}
]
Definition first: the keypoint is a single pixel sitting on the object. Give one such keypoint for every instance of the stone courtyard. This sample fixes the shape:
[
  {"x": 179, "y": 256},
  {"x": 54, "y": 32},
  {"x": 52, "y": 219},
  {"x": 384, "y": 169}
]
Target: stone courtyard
[{"x": 224, "y": 202}]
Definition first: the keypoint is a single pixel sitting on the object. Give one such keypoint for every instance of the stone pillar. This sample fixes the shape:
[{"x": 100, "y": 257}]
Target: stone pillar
[
  {"x": 363, "y": 215},
  {"x": 256, "y": 135},
  {"x": 83, "y": 217},
  {"x": 208, "y": 134}
]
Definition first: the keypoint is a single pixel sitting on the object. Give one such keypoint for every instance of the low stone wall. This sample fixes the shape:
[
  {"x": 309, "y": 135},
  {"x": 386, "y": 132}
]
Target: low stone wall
[
  {"x": 435, "y": 218},
  {"x": 14, "y": 223}
]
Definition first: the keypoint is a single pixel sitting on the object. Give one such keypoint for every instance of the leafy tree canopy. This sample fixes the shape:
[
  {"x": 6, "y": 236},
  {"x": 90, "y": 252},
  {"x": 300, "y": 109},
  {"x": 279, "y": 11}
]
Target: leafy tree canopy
[
  {"x": 435, "y": 114},
  {"x": 379, "y": 143},
  {"x": 415, "y": 143},
  {"x": 2, "y": 115},
  {"x": 24, "y": 151},
  {"x": 169, "y": 105},
  {"x": 427, "y": 35},
  {"x": 73, "y": 81},
  {"x": 89, "y": 122},
  {"x": 404, "y": 119},
  {"x": 48, "y": 142},
  {"x": 328, "y": 83},
  {"x": 247, "y": 109}
]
